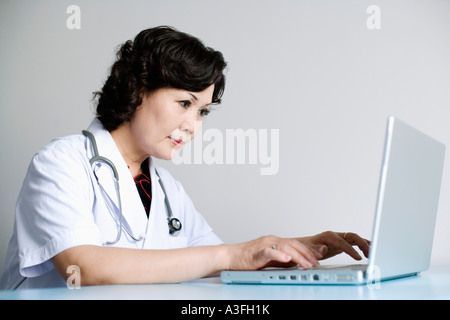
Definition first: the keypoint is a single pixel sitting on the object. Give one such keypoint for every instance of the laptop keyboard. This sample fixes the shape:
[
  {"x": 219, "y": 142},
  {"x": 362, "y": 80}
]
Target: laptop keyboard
[{"x": 341, "y": 267}]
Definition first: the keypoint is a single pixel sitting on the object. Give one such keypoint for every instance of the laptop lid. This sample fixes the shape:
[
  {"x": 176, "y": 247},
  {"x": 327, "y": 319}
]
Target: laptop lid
[
  {"x": 408, "y": 199},
  {"x": 403, "y": 231}
]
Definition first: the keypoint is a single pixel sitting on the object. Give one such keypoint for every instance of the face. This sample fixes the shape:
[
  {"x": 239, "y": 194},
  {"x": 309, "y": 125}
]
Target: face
[{"x": 167, "y": 119}]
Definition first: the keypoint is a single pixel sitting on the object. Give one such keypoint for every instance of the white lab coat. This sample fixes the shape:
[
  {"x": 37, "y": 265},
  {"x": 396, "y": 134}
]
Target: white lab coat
[{"x": 61, "y": 206}]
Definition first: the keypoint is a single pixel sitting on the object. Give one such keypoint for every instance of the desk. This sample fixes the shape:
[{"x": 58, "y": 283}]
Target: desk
[{"x": 431, "y": 284}]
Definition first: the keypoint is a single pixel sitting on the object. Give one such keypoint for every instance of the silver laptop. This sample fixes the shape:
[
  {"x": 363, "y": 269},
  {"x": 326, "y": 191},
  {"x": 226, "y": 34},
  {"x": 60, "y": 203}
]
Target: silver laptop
[{"x": 405, "y": 217}]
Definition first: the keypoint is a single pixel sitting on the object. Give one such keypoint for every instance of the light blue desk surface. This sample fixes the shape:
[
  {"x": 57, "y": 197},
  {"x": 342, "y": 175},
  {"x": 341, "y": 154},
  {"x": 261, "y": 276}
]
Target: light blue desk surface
[{"x": 431, "y": 284}]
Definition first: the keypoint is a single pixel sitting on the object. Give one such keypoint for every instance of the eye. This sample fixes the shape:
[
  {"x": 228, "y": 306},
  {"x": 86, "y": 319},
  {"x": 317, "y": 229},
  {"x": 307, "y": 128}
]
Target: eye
[
  {"x": 204, "y": 112},
  {"x": 185, "y": 103}
]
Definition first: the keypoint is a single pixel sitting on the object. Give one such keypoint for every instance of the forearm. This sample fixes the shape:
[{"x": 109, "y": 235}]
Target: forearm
[{"x": 110, "y": 265}]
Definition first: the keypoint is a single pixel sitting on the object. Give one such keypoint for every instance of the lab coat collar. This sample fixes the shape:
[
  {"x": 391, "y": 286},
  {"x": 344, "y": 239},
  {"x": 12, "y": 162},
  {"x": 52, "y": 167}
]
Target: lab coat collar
[{"x": 133, "y": 212}]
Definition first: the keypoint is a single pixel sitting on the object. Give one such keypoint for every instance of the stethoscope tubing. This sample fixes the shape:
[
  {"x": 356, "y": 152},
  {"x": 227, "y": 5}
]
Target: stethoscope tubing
[{"x": 174, "y": 224}]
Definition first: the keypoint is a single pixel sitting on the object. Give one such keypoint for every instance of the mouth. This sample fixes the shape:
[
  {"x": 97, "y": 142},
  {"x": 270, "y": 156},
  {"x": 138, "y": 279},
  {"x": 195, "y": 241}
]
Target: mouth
[{"x": 177, "y": 142}]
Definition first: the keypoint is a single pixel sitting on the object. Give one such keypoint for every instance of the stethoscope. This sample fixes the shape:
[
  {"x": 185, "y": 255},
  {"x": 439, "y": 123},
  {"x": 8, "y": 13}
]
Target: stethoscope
[{"x": 174, "y": 223}]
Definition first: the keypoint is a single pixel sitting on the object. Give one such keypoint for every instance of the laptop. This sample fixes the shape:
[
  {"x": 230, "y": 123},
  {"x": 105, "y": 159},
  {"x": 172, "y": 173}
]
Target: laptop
[{"x": 405, "y": 217}]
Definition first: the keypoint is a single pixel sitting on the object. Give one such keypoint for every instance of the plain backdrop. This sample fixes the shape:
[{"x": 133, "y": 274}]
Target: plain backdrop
[{"x": 313, "y": 70}]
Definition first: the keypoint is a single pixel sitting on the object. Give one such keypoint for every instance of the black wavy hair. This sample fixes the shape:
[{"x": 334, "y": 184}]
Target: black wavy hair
[{"x": 157, "y": 58}]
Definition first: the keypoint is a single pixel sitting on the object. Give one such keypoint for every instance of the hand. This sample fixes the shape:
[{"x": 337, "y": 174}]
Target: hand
[
  {"x": 271, "y": 251},
  {"x": 328, "y": 244}
]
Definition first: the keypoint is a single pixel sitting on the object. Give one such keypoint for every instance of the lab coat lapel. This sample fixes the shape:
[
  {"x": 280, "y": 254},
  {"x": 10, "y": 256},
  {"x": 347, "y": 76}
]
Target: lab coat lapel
[
  {"x": 157, "y": 223},
  {"x": 133, "y": 212}
]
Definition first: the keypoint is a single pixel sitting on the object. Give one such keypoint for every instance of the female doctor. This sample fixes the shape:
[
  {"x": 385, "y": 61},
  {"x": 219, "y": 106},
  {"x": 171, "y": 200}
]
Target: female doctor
[{"x": 97, "y": 200}]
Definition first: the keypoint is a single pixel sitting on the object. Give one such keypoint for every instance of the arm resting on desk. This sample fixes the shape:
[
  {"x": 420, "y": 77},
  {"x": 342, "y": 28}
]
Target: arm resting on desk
[{"x": 111, "y": 265}]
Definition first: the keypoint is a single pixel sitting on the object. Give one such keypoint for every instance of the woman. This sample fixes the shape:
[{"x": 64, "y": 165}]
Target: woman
[{"x": 71, "y": 212}]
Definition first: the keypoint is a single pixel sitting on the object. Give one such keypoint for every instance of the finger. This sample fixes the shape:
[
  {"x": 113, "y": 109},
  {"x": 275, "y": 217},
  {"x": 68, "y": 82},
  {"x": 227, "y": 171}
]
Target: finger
[
  {"x": 354, "y": 239},
  {"x": 319, "y": 250},
  {"x": 301, "y": 254},
  {"x": 342, "y": 244},
  {"x": 276, "y": 255},
  {"x": 363, "y": 245}
]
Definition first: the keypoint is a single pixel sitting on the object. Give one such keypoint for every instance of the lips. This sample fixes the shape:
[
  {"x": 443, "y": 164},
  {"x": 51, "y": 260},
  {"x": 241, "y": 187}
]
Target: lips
[{"x": 176, "y": 142}]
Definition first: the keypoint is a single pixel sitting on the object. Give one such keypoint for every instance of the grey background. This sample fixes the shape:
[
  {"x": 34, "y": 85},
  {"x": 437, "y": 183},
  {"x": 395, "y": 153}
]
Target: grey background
[{"x": 311, "y": 69}]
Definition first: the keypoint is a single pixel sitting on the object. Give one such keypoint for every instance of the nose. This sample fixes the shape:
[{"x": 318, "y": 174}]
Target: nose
[{"x": 191, "y": 123}]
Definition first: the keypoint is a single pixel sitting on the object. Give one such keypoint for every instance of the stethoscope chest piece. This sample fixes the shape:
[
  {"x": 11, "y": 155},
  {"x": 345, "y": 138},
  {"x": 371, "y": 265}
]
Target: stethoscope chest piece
[{"x": 174, "y": 226}]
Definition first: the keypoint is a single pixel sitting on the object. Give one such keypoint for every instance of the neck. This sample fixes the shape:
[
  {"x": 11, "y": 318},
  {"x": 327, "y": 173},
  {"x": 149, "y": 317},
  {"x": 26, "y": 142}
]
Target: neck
[{"x": 124, "y": 142}]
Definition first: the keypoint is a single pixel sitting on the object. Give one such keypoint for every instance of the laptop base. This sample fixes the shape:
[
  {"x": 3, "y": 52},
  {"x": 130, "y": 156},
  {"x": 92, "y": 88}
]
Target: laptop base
[
  {"x": 297, "y": 276},
  {"x": 321, "y": 275}
]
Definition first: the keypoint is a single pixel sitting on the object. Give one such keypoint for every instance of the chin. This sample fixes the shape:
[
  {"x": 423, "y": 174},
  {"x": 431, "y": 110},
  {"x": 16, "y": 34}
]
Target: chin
[
  {"x": 162, "y": 157},
  {"x": 167, "y": 155}
]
